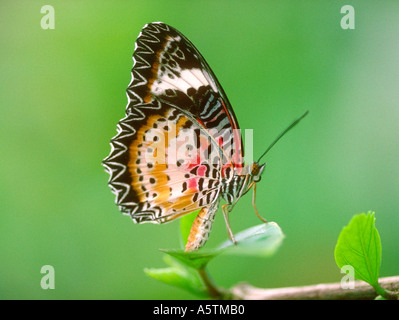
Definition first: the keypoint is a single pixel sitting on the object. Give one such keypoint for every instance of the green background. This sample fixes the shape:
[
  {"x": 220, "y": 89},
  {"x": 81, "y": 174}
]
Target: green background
[{"x": 62, "y": 92}]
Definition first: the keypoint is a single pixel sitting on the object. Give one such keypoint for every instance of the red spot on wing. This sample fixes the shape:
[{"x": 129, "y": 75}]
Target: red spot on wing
[{"x": 193, "y": 184}]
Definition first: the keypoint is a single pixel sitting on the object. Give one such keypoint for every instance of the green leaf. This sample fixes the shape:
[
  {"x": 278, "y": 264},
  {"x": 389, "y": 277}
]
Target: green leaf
[
  {"x": 359, "y": 246},
  {"x": 194, "y": 259},
  {"x": 179, "y": 276},
  {"x": 185, "y": 226},
  {"x": 262, "y": 240}
]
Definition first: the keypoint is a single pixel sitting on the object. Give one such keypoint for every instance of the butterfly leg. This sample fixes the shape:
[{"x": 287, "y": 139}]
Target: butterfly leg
[
  {"x": 225, "y": 209},
  {"x": 253, "y": 204}
]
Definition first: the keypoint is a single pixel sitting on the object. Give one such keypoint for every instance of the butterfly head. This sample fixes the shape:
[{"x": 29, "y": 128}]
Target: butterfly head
[
  {"x": 251, "y": 174},
  {"x": 256, "y": 171}
]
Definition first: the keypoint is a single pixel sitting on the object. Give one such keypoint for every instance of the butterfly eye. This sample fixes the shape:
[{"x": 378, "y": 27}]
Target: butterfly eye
[{"x": 254, "y": 169}]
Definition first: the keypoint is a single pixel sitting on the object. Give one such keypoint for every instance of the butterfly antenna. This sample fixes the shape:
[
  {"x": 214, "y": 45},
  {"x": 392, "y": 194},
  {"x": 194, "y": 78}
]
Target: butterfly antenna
[{"x": 283, "y": 133}]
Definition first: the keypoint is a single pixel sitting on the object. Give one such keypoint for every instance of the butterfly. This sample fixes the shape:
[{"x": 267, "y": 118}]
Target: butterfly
[{"x": 179, "y": 148}]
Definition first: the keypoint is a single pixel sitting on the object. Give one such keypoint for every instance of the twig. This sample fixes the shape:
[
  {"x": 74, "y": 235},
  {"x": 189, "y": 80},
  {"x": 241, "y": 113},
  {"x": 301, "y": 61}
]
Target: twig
[
  {"x": 333, "y": 291},
  {"x": 213, "y": 291}
]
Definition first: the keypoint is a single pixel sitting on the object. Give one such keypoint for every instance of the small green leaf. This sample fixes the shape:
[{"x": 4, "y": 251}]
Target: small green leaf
[
  {"x": 262, "y": 240},
  {"x": 194, "y": 259},
  {"x": 179, "y": 276},
  {"x": 359, "y": 245}
]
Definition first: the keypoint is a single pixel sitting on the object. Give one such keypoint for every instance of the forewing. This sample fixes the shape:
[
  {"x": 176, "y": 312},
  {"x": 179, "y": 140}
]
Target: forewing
[
  {"x": 174, "y": 101},
  {"x": 168, "y": 67}
]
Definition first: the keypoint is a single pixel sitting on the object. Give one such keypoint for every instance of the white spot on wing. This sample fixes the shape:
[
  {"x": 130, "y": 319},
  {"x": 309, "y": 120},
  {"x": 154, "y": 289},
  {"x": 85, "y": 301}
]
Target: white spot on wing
[{"x": 189, "y": 78}]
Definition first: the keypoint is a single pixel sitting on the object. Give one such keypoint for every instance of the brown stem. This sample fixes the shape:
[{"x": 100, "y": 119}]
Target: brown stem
[
  {"x": 333, "y": 291},
  {"x": 213, "y": 291}
]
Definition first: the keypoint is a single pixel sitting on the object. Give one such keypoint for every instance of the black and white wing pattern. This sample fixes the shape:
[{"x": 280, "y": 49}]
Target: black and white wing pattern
[{"x": 173, "y": 96}]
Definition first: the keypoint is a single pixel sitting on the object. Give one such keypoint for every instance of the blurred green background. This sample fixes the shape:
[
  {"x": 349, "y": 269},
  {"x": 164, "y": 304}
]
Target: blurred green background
[{"x": 62, "y": 92}]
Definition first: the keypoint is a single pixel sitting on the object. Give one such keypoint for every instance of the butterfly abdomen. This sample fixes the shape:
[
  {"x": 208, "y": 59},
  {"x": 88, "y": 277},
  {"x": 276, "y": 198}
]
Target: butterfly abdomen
[{"x": 201, "y": 227}]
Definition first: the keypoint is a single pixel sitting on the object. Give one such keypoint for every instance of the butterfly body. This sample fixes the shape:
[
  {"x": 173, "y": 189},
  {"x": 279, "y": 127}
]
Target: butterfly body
[{"x": 178, "y": 148}]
